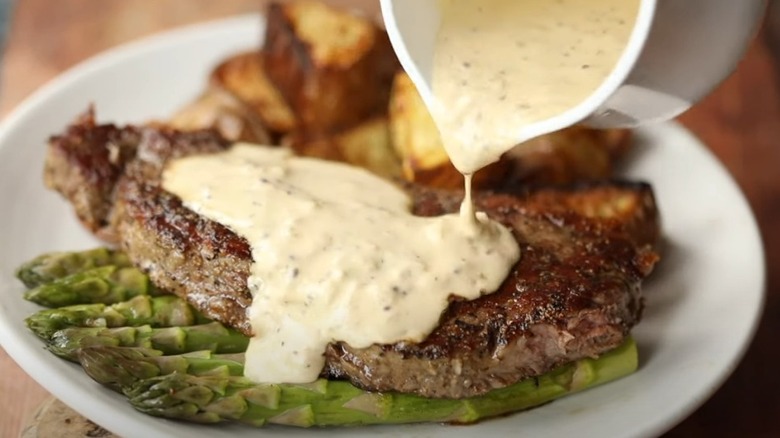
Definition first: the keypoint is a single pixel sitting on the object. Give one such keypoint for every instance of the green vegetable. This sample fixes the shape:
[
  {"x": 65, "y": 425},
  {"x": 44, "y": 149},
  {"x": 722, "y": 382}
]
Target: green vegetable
[
  {"x": 52, "y": 266},
  {"x": 162, "y": 311},
  {"x": 220, "y": 397},
  {"x": 121, "y": 367},
  {"x": 171, "y": 340},
  {"x": 170, "y": 361},
  {"x": 106, "y": 284}
]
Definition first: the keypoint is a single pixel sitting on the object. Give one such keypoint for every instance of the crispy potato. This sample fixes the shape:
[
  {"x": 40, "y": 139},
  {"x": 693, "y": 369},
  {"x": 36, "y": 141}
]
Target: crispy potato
[
  {"x": 417, "y": 142},
  {"x": 328, "y": 82},
  {"x": 569, "y": 155},
  {"x": 219, "y": 110},
  {"x": 366, "y": 145},
  {"x": 616, "y": 141},
  {"x": 572, "y": 154},
  {"x": 415, "y": 136},
  {"x": 243, "y": 75},
  {"x": 446, "y": 176},
  {"x": 333, "y": 68}
]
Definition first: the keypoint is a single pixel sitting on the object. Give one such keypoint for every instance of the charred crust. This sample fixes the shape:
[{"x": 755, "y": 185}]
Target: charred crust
[{"x": 574, "y": 293}]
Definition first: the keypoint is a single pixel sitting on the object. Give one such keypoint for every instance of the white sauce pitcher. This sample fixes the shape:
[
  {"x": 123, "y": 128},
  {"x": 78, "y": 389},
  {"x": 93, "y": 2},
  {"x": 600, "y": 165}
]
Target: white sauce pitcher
[{"x": 678, "y": 52}]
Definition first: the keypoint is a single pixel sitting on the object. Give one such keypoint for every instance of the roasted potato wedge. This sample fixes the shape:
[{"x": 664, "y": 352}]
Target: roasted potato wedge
[
  {"x": 572, "y": 154},
  {"x": 220, "y": 110},
  {"x": 366, "y": 145},
  {"x": 416, "y": 140},
  {"x": 243, "y": 75},
  {"x": 327, "y": 82},
  {"x": 333, "y": 68},
  {"x": 415, "y": 136}
]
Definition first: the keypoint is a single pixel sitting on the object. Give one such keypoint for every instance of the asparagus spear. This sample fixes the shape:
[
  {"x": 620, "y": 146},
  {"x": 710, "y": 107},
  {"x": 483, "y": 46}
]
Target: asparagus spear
[
  {"x": 106, "y": 284},
  {"x": 162, "y": 311},
  {"x": 120, "y": 367},
  {"x": 49, "y": 267},
  {"x": 205, "y": 387},
  {"x": 213, "y": 398},
  {"x": 170, "y": 340}
]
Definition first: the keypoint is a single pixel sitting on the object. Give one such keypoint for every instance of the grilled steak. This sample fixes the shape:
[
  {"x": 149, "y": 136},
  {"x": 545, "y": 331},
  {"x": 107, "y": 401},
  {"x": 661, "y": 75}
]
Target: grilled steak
[{"x": 574, "y": 293}]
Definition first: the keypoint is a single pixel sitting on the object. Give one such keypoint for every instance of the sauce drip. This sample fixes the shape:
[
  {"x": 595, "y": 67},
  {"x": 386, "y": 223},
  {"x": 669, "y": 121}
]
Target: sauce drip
[
  {"x": 337, "y": 254},
  {"x": 502, "y": 65}
]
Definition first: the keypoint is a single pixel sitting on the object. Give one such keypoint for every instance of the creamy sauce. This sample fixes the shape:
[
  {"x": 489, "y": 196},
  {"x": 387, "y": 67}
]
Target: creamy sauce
[
  {"x": 337, "y": 254},
  {"x": 501, "y": 65}
]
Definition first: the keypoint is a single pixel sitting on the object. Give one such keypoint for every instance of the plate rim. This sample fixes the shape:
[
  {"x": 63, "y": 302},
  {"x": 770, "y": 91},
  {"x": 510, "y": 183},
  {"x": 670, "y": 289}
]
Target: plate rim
[{"x": 758, "y": 311}]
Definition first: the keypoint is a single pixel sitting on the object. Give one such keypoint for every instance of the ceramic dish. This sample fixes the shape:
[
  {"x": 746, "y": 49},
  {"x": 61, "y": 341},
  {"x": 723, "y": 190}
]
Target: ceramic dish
[{"x": 703, "y": 302}]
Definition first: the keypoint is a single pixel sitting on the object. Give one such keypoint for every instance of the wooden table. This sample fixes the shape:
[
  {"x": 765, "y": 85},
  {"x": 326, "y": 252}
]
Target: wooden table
[{"x": 740, "y": 122}]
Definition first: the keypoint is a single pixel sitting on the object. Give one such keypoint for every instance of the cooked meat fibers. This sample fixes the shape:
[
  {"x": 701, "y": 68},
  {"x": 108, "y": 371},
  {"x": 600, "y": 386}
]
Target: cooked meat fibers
[{"x": 575, "y": 292}]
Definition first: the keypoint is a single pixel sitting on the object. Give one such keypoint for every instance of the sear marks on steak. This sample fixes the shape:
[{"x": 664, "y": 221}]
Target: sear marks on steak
[
  {"x": 574, "y": 293},
  {"x": 85, "y": 163}
]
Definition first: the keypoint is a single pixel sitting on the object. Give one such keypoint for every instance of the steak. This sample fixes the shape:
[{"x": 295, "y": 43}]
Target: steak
[{"x": 574, "y": 293}]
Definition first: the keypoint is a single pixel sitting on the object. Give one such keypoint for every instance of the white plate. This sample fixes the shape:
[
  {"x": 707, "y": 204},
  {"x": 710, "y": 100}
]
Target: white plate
[{"x": 703, "y": 303}]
